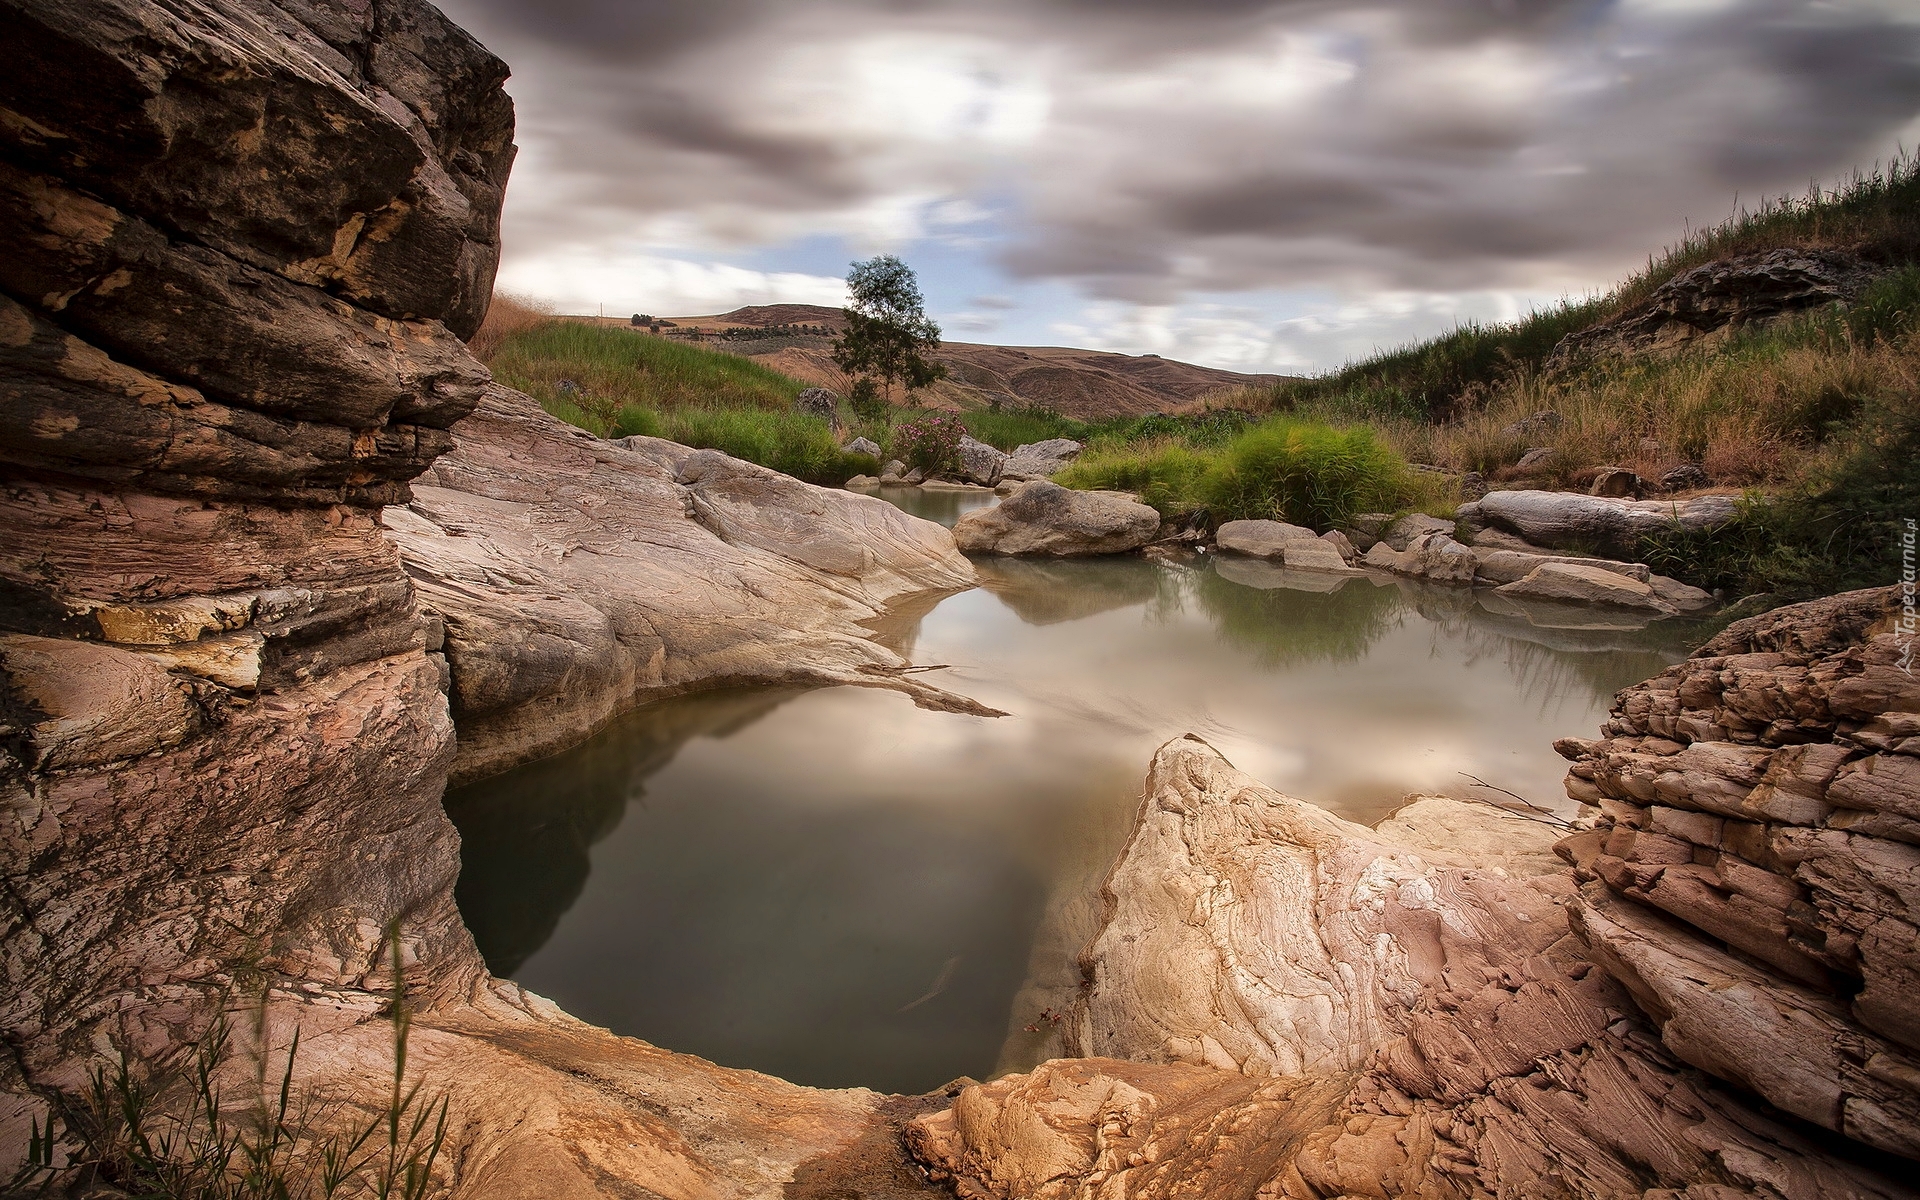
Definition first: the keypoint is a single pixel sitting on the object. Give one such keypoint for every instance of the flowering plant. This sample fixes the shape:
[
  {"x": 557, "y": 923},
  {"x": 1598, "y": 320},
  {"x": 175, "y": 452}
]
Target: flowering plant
[{"x": 931, "y": 443}]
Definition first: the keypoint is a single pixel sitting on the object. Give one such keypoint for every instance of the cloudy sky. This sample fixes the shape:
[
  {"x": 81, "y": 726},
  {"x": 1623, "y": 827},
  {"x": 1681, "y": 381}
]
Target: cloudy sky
[{"x": 1260, "y": 186}]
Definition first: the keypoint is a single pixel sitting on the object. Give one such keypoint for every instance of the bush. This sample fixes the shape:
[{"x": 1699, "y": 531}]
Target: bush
[
  {"x": 931, "y": 443},
  {"x": 1282, "y": 469},
  {"x": 792, "y": 443},
  {"x": 1009, "y": 429}
]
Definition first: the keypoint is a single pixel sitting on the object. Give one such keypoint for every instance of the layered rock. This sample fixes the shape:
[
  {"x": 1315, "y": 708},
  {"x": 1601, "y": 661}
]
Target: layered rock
[
  {"x": 244, "y": 241},
  {"x": 1256, "y": 950},
  {"x": 1045, "y": 519},
  {"x": 576, "y": 577},
  {"x": 1753, "y": 876}
]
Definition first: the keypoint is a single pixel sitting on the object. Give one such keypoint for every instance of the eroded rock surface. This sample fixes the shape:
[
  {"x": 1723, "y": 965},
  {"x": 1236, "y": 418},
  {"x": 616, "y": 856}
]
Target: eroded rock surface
[
  {"x": 577, "y": 577},
  {"x": 1567, "y": 520},
  {"x": 1038, "y": 460},
  {"x": 1045, "y": 519},
  {"x": 1252, "y": 943}
]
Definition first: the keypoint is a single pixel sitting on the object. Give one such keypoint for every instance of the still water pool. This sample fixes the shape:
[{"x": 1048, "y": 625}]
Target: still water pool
[{"x": 838, "y": 888}]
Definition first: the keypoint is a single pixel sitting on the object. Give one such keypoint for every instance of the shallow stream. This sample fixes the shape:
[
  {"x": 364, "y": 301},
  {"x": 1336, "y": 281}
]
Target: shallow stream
[{"x": 840, "y": 889}]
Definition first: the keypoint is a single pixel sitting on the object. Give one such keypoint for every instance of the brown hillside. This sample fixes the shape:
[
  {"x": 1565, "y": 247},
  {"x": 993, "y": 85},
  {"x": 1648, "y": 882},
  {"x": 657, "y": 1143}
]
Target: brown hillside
[{"x": 1076, "y": 383}]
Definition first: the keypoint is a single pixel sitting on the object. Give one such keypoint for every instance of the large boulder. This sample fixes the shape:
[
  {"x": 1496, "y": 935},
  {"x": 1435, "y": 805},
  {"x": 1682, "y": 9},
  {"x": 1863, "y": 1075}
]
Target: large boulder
[
  {"x": 1040, "y": 460},
  {"x": 1565, "y": 521},
  {"x": 1259, "y": 539},
  {"x": 821, "y": 403},
  {"x": 1722, "y": 295},
  {"x": 1401, "y": 533},
  {"x": 1510, "y": 566},
  {"x": 1043, "y": 518},
  {"x": 1313, "y": 554},
  {"x": 1585, "y": 583},
  {"x": 980, "y": 462}
]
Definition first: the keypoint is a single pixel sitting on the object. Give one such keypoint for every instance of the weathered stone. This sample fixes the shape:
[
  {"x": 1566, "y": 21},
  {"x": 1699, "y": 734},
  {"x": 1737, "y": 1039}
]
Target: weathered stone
[
  {"x": 1434, "y": 557},
  {"x": 821, "y": 403},
  {"x": 1563, "y": 519},
  {"x": 980, "y": 462},
  {"x": 861, "y": 483},
  {"x": 1042, "y": 518},
  {"x": 865, "y": 446},
  {"x": 94, "y": 704},
  {"x": 1040, "y": 460},
  {"x": 1260, "y": 539},
  {"x": 1721, "y": 295},
  {"x": 1401, "y": 534},
  {"x": 1544, "y": 421},
  {"x": 1887, "y": 783},
  {"x": 1364, "y": 529},
  {"x": 1617, "y": 481},
  {"x": 1314, "y": 555},
  {"x": 1341, "y": 545},
  {"x": 1581, "y": 583},
  {"x": 1536, "y": 460},
  {"x": 1499, "y": 565},
  {"x": 1684, "y": 477},
  {"x": 698, "y": 567},
  {"x": 1684, "y": 597}
]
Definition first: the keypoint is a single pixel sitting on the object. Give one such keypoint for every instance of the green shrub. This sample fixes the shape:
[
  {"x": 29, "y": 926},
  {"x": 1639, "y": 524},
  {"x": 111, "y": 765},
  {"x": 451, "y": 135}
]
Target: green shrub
[
  {"x": 931, "y": 443},
  {"x": 1165, "y": 474},
  {"x": 1009, "y": 429}
]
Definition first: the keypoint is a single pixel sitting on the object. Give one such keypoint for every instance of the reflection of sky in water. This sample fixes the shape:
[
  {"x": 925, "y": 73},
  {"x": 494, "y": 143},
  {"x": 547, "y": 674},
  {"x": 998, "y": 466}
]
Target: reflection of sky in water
[{"x": 840, "y": 888}]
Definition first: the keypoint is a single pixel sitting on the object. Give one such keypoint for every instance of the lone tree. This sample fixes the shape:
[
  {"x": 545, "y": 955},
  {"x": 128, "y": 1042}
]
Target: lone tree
[{"x": 887, "y": 338}]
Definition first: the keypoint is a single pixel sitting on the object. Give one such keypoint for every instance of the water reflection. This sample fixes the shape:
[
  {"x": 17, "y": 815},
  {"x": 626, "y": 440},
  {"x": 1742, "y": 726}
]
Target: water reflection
[{"x": 842, "y": 889}]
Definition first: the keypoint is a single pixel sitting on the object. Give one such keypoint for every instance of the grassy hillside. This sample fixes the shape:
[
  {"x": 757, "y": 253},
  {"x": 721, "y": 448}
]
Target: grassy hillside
[
  {"x": 1814, "y": 416},
  {"x": 615, "y": 383}
]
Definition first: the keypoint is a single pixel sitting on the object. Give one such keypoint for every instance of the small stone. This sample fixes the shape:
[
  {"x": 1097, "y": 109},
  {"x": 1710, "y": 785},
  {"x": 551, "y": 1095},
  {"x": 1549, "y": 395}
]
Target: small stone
[
  {"x": 1684, "y": 477},
  {"x": 1536, "y": 459},
  {"x": 1413, "y": 525},
  {"x": 862, "y": 445},
  {"x": 1617, "y": 481}
]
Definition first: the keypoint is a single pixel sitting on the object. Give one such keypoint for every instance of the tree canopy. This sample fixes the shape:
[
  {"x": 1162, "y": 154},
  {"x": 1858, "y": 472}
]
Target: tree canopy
[{"x": 888, "y": 334}]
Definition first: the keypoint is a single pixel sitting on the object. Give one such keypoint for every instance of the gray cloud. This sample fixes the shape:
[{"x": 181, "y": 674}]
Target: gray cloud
[{"x": 1145, "y": 151}]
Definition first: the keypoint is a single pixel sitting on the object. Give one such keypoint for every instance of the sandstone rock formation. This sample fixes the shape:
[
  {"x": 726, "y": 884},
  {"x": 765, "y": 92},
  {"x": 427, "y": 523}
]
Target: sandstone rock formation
[
  {"x": 1433, "y": 556},
  {"x": 1564, "y": 520},
  {"x": 1254, "y": 946},
  {"x": 243, "y": 243},
  {"x": 1721, "y": 296},
  {"x": 1038, "y": 460},
  {"x": 577, "y": 577},
  {"x": 1753, "y": 877},
  {"x": 1042, "y": 518}
]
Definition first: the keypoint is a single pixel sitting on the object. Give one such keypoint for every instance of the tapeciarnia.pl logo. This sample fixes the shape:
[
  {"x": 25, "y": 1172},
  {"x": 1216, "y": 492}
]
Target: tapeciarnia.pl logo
[{"x": 1908, "y": 623}]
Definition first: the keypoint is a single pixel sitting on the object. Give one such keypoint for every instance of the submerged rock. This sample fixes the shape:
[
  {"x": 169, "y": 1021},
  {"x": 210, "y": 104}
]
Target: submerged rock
[{"x": 1042, "y": 518}]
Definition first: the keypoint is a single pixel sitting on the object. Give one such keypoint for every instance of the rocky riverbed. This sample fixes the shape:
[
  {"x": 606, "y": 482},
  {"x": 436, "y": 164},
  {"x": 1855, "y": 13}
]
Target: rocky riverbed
[{"x": 243, "y": 651}]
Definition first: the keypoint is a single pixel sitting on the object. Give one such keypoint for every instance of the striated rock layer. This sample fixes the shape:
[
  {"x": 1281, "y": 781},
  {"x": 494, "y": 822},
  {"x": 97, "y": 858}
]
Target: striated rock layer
[
  {"x": 1288, "y": 1005},
  {"x": 575, "y": 577},
  {"x": 244, "y": 239}
]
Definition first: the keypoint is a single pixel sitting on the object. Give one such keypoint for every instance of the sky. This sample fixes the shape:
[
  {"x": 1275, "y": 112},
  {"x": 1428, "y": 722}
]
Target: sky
[{"x": 1277, "y": 187}]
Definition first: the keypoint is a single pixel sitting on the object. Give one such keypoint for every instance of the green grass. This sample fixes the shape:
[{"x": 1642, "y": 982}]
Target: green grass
[
  {"x": 789, "y": 442},
  {"x": 626, "y": 383},
  {"x": 615, "y": 368},
  {"x": 1875, "y": 215},
  {"x": 1008, "y": 429},
  {"x": 1284, "y": 469}
]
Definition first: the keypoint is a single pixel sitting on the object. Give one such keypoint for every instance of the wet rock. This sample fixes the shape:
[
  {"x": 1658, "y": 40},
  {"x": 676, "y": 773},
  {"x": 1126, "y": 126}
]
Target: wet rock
[
  {"x": 1617, "y": 481},
  {"x": 1497, "y": 565},
  {"x": 1563, "y": 519},
  {"x": 1040, "y": 460},
  {"x": 1260, "y": 539},
  {"x": 578, "y": 577},
  {"x": 980, "y": 462},
  {"x": 1580, "y": 583},
  {"x": 1041, "y": 518}
]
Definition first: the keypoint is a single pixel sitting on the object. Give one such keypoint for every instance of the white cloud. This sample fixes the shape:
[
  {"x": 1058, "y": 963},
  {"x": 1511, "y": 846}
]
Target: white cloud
[{"x": 585, "y": 279}]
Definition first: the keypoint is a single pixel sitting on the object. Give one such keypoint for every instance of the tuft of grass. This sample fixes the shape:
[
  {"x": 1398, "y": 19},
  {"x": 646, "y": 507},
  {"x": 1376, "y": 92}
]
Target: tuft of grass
[
  {"x": 165, "y": 1131},
  {"x": 1284, "y": 468},
  {"x": 1008, "y": 429}
]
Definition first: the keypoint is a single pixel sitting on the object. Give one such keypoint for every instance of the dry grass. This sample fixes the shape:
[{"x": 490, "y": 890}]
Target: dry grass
[{"x": 506, "y": 316}]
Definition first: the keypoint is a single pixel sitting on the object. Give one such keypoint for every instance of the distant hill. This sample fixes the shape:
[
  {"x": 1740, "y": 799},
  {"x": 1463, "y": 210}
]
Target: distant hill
[{"x": 1086, "y": 384}]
